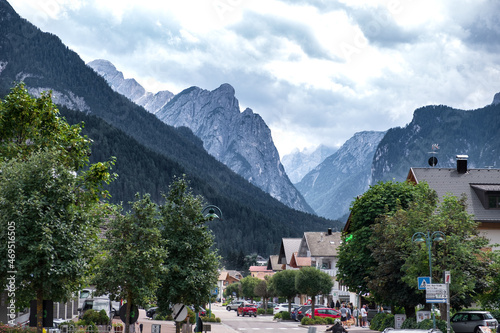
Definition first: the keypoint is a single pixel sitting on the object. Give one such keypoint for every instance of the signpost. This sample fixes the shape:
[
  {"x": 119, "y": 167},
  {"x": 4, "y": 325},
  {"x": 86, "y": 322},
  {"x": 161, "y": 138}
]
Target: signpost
[
  {"x": 155, "y": 328},
  {"x": 179, "y": 312},
  {"x": 436, "y": 293},
  {"x": 423, "y": 281}
]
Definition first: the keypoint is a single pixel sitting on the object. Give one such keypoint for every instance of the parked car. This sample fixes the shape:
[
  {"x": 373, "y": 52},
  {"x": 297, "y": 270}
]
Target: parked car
[
  {"x": 202, "y": 312},
  {"x": 97, "y": 304},
  {"x": 283, "y": 307},
  {"x": 233, "y": 305},
  {"x": 150, "y": 313},
  {"x": 298, "y": 313},
  {"x": 270, "y": 305},
  {"x": 470, "y": 321},
  {"x": 247, "y": 309},
  {"x": 323, "y": 312}
]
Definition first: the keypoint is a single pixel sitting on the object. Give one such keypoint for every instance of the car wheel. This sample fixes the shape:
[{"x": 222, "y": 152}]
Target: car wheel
[
  {"x": 238, "y": 314},
  {"x": 255, "y": 314},
  {"x": 477, "y": 330},
  {"x": 228, "y": 308}
]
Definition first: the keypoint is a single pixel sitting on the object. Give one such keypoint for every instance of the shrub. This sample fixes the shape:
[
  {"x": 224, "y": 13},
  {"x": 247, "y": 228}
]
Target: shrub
[
  {"x": 381, "y": 321},
  {"x": 277, "y": 316},
  {"x": 409, "y": 323},
  {"x": 270, "y": 311},
  {"x": 427, "y": 324},
  {"x": 260, "y": 311},
  {"x": 16, "y": 329},
  {"x": 93, "y": 317},
  {"x": 316, "y": 321},
  {"x": 285, "y": 315},
  {"x": 330, "y": 321}
]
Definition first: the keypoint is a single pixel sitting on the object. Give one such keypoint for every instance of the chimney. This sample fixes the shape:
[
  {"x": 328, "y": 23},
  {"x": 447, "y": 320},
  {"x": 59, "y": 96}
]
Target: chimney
[
  {"x": 462, "y": 163},
  {"x": 329, "y": 231}
]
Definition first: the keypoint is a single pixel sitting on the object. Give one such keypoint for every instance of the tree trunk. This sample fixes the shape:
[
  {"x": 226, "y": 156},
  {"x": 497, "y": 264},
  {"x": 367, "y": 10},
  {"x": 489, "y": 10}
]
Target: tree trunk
[
  {"x": 127, "y": 313},
  {"x": 39, "y": 311},
  {"x": 313, "y": 302},
  {"x": 410, "y": 311}
]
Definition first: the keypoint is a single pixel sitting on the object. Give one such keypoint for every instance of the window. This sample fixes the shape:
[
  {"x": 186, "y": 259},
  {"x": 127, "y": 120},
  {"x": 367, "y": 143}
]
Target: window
[{"x": 493, "y": 201}]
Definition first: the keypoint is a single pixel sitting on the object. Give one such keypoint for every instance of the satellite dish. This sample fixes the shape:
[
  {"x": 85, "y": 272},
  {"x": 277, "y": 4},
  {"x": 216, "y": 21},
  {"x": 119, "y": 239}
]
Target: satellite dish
[{"x": 433, "y": 161}]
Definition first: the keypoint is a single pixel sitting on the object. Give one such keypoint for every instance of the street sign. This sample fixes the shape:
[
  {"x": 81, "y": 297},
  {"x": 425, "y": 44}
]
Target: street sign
[
  {"x": 179, "y": 312},
  {"x": 447, "y": 277},
  {"x": 436, "y": 293},
  {"x": 215, "y": 291},
  {"x": 423, "y": 281}
]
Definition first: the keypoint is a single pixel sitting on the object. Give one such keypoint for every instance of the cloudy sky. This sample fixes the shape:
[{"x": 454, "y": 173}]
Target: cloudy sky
[{"x": 317, "y": 71}]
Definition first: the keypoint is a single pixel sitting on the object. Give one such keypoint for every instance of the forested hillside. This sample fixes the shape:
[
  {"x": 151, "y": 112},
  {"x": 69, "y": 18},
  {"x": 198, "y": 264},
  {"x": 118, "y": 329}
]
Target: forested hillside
[
  {"x": 456, "y": 132},
  {"x": 149, "y": 153}
]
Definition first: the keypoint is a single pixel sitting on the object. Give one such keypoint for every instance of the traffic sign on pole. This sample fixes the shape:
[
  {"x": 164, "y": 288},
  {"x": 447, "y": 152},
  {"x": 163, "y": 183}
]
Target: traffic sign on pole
[
  {"x": 436, "y": 293},
  {"x": 423, "y": 281}
]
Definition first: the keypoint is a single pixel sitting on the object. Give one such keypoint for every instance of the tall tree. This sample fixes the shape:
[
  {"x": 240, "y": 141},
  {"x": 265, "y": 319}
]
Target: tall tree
[
  {"x": 134, "y": 252},
  {"x": 283, "y": 284},
  {"x": 313, "y": 282},
  {"x": 192, "y": 266},
  {"x": 264, "y": 290},
  {"x": 248, "y": 285},
  {"x": 355, "y": 261},
  {"x": 54, "y": 204}
]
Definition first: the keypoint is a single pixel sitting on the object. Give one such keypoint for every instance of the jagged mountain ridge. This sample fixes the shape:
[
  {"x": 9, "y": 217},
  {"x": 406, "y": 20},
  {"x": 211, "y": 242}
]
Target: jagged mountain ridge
[
  {"x": 334, "y": 184},
  {"x": 240, "y": 140},
  {"x": 456, "y": 132},
  {"x": 254, "y": 221},
  {"x": 130, "y": 87},
  {"x": 298, "y": 163}
]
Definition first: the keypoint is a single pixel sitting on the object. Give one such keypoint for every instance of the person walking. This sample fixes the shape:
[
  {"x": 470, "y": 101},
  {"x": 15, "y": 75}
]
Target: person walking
[
  {"x": 364, "y": 316},
  {"x": 355, "y": 314},
  {"x": 343, "y": 314}
]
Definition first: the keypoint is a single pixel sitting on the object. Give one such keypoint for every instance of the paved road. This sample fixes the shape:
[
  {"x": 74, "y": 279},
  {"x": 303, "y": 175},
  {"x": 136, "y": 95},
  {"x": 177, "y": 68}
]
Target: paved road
[{"x": 231, "y": 323}]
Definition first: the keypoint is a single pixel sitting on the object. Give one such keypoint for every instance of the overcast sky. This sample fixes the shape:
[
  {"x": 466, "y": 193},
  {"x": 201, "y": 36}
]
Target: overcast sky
[{"x": 317, "y": 71}]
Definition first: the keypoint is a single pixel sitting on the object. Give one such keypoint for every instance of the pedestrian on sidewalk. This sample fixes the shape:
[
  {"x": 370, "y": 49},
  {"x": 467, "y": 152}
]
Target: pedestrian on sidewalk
[
  {"x": 364, "y": 316},
  {"x": 355, "y": 314}
]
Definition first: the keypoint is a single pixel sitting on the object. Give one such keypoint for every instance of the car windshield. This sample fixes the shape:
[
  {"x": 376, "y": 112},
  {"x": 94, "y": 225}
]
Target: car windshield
[
  {"x": 488, "y": 316},
  {"x": 84, "y": 293},
  {"x": 100, "y": 305}
]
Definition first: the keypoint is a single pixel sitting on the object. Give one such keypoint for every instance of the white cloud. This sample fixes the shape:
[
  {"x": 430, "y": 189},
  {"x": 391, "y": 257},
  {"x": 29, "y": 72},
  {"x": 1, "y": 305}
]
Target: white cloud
[{"x": 316, "y": 71}]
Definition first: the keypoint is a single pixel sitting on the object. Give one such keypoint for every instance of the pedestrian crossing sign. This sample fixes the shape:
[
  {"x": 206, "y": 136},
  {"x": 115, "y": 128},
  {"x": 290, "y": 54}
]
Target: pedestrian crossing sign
[{"x": 423, "y": 281}]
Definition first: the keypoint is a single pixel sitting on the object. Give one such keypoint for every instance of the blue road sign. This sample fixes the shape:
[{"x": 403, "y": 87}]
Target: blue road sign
[{"x": 423, "y": 281}]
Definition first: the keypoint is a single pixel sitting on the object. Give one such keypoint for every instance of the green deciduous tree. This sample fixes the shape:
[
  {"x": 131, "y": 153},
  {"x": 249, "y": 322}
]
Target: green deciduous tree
[
  {"x": 283, "y": 284},
  {"x": 355, "y": 261},
  {"x": 264, "y": 290},
  {"x": 248, "y": 285},
  {"x": 134, "y": 251},
  {"x": 234, "y": 289},
  {"x": 54, "y": 204},
  {"x": 193, "y": 263},
  {"x": 313, "y": 282}
]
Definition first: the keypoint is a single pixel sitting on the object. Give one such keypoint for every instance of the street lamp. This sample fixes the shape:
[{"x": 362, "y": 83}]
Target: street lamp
[
  {"x": 428, "y": 238},
  {"x": 210, "y": 213}
]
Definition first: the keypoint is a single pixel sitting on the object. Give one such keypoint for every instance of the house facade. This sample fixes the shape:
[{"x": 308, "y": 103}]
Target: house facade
[{"x": 480, "y": 186}]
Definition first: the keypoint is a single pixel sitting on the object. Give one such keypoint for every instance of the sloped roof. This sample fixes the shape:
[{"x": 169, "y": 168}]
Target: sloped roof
[
  {"x": 474, "y": 183},
  {"x": 272, "y": 263},
  {"x": 258, "y": 269},
  {"x": 223, "y": 276},
  {"x": 320, "y": 244},
  {"x": 288, "y": 247},
  {"x": 298, "y": 262}
]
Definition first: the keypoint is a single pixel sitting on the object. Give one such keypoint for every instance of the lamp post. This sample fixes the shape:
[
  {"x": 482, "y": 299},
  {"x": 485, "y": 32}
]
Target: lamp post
[
  {"x": 428, "y": 238},
  {"x": 210, "y": 213}
]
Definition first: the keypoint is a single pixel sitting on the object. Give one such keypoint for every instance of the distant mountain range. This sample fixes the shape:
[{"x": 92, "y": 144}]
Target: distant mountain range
[
  {"x": 240, "y": 140},
  {"x": 149, "y": 152},
  {"x": 298, "y": 163},
  {"x": 328, "y": 181}
]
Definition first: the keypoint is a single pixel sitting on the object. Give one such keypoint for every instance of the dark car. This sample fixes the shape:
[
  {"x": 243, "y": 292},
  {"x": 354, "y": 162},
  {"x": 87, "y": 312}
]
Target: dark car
[
  {"x": 470, "y": 321},
  {"x": 298, "y": 313},
  {"x": 151, "y": 312}
]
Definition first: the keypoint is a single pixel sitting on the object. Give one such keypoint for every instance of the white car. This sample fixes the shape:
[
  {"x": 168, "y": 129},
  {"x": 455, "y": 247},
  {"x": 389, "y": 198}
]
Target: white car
[{"x": 283, "y": 307}]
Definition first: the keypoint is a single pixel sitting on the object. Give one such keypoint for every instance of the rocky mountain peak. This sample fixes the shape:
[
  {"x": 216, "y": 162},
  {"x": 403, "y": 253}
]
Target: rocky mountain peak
[{"x": 496, "y": 99}]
